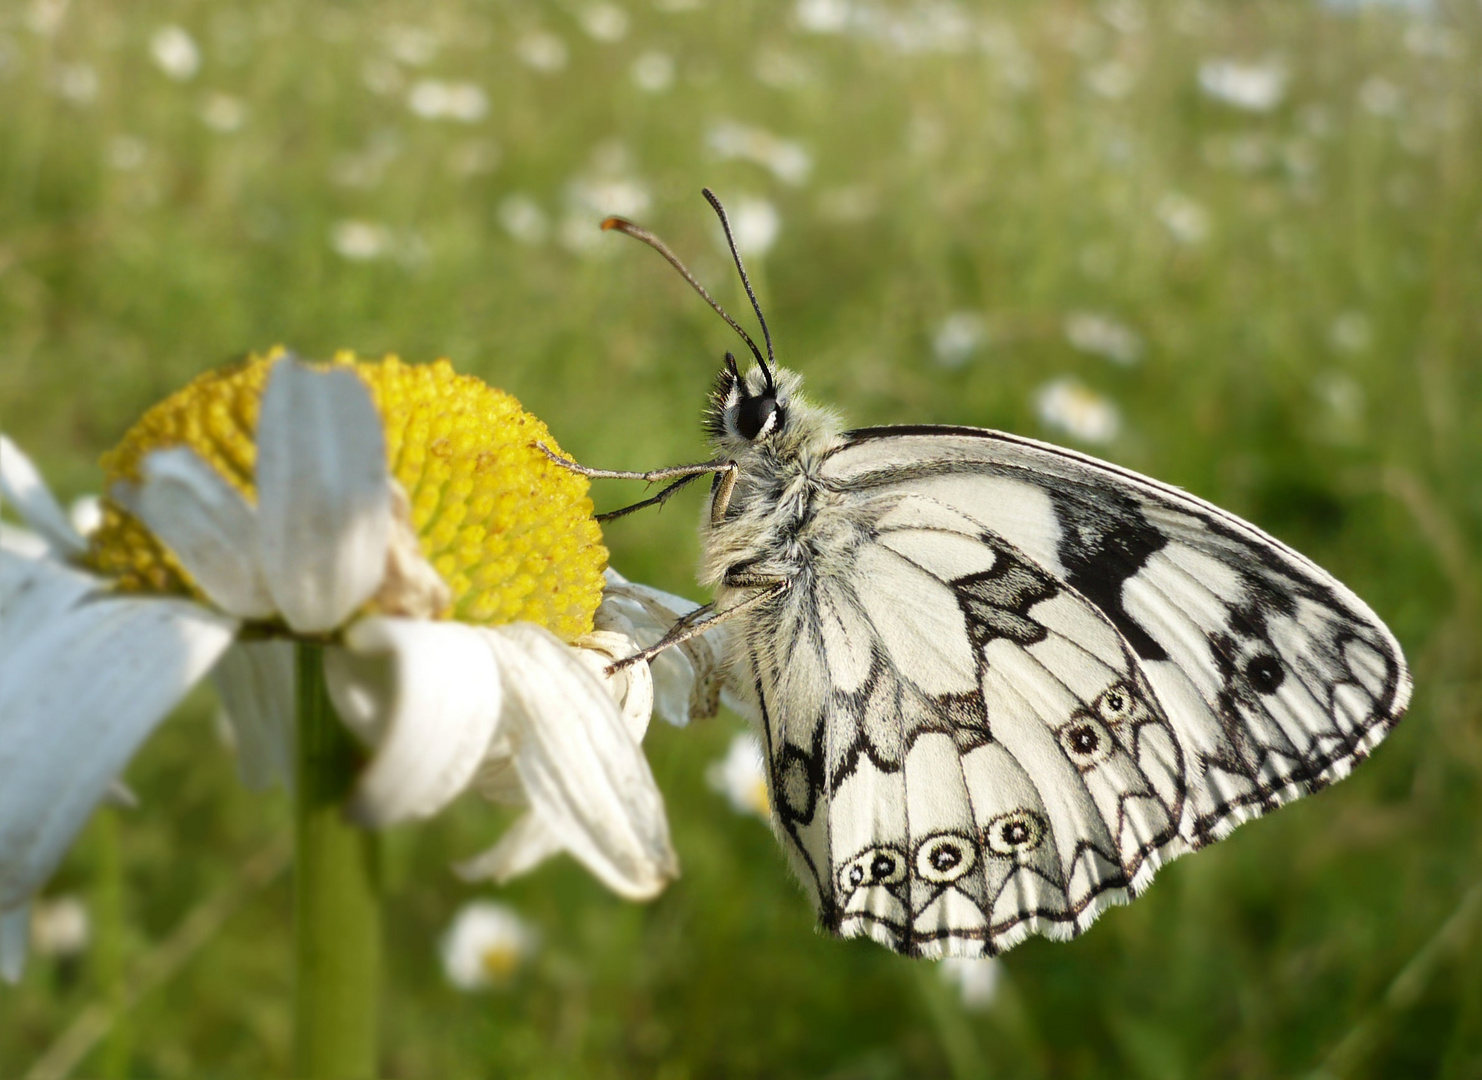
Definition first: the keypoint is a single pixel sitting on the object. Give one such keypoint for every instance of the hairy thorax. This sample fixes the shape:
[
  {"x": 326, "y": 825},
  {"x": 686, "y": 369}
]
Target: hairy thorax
[{"x": 782, "y": 522}]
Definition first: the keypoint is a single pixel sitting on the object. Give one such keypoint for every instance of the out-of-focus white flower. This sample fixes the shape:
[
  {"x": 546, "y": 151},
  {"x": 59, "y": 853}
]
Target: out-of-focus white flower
[
  {"x": 591, "y": 199},
  {"x": 1344, "y": 398},
  {"x": 365, "y": 168},
  {"x": 604, "y": 22},
  {"x": 175, "y": 52},
  {"x": 523, "y": 219},
  {"x": 45, "y": 17},
  {"x": 755, "y": 223},
  {"x": 486, "y": 946},
  {"x": 125, "y": 152},
  {"x": 653, "y": 72},
  {"x": 542, "y": 51},
  {"x": 77, "y": 83},
  {"x": 1252, "y": 87},
  {"x": 1186, "y": 220},
  {"x": 415, "y": 46},
  {"x": 477, "y": 157},
  {"x": 433, "y": 99},
  {"x": 1112, "y": 80},
  {"x": 224, "y": 113},
  {"x": 1380, "y": 97},
  {"x": 59, "y": 927},
  {"x": 823, "y": 16},
  {"x": 741, "y": 776},
  {"x": 977, "y": 980},
  {"x": 1101, "y": 335},
  {"x": 960, "y": 335},
  {"x": 781, "y": 69},
  {"x": 787, "y": 160},
  {"x": 381, "y": 76},
  {"x": 360, "y": 241},
  {"x": 1066, "y": 405},
  {"x": 1351, "y": 332}
]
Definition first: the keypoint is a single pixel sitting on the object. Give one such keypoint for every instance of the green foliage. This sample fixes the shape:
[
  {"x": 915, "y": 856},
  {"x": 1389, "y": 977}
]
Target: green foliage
[{"x": 1305, "y": 286}]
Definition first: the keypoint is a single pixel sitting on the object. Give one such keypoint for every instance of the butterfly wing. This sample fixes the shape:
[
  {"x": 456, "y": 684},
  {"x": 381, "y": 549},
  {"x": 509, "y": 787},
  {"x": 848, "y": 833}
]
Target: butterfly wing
[{"x": 1015, "y": 679}]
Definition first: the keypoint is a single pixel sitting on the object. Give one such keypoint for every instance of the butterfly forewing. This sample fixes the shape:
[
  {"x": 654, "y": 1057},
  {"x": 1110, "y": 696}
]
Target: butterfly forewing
[{"x": 1025, "y": 678}]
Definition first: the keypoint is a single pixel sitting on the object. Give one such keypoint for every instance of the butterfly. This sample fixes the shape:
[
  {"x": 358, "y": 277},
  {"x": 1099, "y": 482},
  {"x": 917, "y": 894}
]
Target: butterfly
[{"x": 999, "y": 683}]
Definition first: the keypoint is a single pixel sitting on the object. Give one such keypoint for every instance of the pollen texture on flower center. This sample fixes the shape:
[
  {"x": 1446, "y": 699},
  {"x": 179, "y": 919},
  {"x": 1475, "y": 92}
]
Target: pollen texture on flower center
[{"x": 510, "y": 532}]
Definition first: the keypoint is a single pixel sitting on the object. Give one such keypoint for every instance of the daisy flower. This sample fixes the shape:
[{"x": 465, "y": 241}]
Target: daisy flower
[{"x": 401, "y": 517}]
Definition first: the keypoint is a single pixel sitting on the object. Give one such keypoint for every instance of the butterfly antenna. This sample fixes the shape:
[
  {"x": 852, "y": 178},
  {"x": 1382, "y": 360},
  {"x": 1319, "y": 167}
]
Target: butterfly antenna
[
  {"x": 725, "y": 223},
  {"x": 637, "y": 232}
]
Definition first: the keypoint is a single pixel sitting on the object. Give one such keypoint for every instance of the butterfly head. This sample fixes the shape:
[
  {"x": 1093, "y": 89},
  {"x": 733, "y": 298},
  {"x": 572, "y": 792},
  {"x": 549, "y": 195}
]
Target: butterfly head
[{"x": 748, "y": 408}]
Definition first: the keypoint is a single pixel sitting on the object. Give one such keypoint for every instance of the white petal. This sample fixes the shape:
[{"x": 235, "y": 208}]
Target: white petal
[
  {"x": 256, "y": 684},
  {"x": 631, "y": 687},
  {"x": 15, "y": 932},
  {"x": 524, "y": 846},
  {"x": 21, "y": 484},
  {"x": 583, "y": 771},
  {"x": 685, "y": 676},
  {"x": 206, "y": 523},
  {"x": 77, "y": 697},
  {"x": 323, "y": 494},
  {"x": 23, "y": 542},
  {"x": 34, "y": 593},
  {"x": 438, "y": 718}
]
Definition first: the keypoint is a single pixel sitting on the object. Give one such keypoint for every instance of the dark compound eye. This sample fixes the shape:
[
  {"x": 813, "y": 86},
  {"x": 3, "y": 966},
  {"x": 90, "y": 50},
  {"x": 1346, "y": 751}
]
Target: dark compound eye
[
  {"x": 752, "y": 414},
  {"x": 1264, "y": 673}
]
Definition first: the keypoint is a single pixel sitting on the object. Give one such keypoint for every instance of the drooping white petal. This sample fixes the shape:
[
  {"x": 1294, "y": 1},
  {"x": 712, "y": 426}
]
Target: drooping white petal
[
  {"x": 22, "y": 486},
  {"x": 524, "y": 846},
  {"x": 583, "y": 771},
  {"x": 437, "y": 720},
  {"x": 323, "y": 494},
  {"x": 255, "y": 682},
  {"x": 632, "y": 687},
  {"x": 15, "y": 931},
  {"x": 77, "y": 697},
  {"x": 685, "y": 676},
  {"x": 206, "y": 523}
]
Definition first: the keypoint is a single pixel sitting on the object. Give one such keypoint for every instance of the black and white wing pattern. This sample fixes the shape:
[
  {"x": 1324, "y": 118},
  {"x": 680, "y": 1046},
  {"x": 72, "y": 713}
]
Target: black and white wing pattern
[{"x": 1014, "y": 680}]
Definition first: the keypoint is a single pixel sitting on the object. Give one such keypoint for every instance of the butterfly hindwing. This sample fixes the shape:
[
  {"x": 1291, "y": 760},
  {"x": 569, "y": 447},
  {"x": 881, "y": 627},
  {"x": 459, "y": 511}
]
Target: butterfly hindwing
[
  {"x": 984, "y": 758},
  {"x": 1022, "y": 679}
]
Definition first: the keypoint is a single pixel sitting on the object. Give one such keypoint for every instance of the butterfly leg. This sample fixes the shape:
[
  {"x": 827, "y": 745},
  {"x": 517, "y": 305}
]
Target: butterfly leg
[
  {"x": 652, "y": 476},
  {"x": 657, "y": 500},
  {"x": 694, "y": 624}
]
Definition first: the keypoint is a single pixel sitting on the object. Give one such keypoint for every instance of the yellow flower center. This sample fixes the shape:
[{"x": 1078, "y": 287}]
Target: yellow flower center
[{"x": 510, "y": 532}]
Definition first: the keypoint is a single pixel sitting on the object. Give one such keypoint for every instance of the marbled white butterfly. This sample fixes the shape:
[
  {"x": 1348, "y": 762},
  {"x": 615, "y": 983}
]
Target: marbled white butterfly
[{"x": 999, "y": 683}]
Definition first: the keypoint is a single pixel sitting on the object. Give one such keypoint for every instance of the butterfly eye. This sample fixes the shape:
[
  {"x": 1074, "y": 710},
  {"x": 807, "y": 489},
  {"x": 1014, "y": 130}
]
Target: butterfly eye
[
  {"x": 753, "y": 413},
  {"x": 945, "y": 858},
  {"x": 1016, "y": 831},
  {"x": 1086, "y": 742},
  {"x": 1264, "y": 673}
]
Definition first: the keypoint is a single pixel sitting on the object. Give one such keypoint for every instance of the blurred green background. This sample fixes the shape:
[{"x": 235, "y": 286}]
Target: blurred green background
[{"x": 1234, "y": 245}]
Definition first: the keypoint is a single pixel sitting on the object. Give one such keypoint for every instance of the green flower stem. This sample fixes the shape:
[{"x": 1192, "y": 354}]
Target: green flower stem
[
  {"x": 118, "y": 1045},
  {"x": 336, "y": 905}
]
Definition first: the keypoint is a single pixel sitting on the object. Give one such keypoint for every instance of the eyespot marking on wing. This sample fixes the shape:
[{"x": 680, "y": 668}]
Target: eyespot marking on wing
[
  {"x": 1017, "y": 831},
  {"x": 945, "y": 857}
]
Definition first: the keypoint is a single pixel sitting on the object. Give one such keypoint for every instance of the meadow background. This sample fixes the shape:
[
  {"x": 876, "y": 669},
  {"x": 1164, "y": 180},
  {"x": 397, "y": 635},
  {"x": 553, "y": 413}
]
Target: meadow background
[{"x": 1234, "y": 245}]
